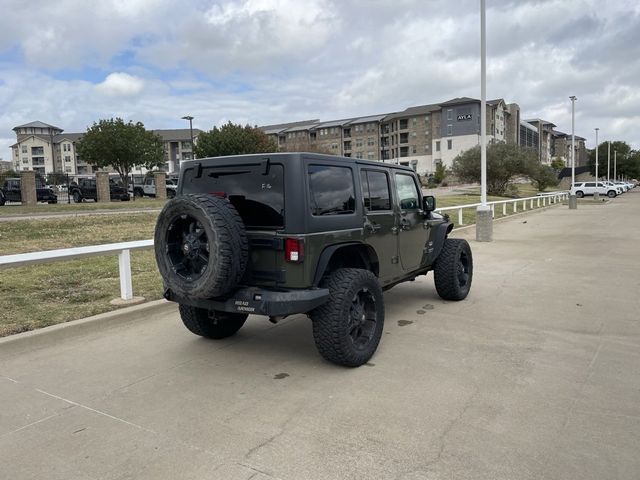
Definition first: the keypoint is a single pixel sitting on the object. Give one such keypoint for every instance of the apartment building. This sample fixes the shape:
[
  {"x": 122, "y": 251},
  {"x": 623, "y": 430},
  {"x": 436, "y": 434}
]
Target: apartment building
[
  {"x": 551, "y": 144},
  {"x": 421, "y": 136},
  {"x": 46, "y": 149}
]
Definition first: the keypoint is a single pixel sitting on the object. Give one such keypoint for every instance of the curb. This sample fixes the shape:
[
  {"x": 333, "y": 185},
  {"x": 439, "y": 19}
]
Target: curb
[{"x": 42, "y": 337}]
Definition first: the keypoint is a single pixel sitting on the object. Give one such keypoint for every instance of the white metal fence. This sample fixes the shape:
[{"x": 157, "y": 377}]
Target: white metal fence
[
  {"x": 123, "y": 249},
  {"x": 528, "y": 203}
]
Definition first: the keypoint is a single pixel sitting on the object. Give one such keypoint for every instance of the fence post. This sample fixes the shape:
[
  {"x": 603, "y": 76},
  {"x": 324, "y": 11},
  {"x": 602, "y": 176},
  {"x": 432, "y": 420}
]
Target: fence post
[
  {"x": 460, "y": 217},
  {"x": 532, "y": 204},
  {"x": 515, "y": 207},
  {"x": 28, "y": 188},
  {"x": 524, "y": 205},
  {"x": 124, "y": 266},
  {"x": 504, "y": 209},
  {"x": 493, "y": 211}
]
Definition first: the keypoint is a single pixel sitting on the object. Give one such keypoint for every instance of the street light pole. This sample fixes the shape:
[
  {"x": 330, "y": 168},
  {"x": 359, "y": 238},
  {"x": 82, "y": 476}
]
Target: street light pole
[
  {"x": 615, "y": 161},
  {"x": 190, "y": 118},
  {"x": 484, "y": 217},
  {"x": 595, "y": 195},
  {"x": 609, "y": 162},
  {"x": 573, "y": 202}
]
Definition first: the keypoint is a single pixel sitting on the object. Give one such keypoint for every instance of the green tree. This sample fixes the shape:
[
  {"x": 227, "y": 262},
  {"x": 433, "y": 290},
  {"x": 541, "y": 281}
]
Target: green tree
[
  {"x": 623, "y": 153},
  {"x": 543, "y": 176},
  {"x": 557, "y": 165},
  {"x": 505, "y": 162},
  {"x": 122, "y": 146},
  {"x": 441, "y": 172},
  {"x": 232, "y": 139}
]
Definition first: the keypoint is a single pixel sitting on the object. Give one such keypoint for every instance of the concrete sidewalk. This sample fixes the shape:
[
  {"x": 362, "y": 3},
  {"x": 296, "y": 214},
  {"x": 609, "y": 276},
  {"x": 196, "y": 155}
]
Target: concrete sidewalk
[{"x": 535, "y": 375}]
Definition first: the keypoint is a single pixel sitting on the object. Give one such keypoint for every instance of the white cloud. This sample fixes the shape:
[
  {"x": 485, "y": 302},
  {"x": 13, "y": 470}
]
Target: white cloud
[
  {"x": 270, "y": 61},
  {"x": 120, "y": 85}
]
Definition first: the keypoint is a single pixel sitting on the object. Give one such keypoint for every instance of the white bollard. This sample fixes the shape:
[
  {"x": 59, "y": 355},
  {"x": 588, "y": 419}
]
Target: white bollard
[{"x": 124, "y": 265}]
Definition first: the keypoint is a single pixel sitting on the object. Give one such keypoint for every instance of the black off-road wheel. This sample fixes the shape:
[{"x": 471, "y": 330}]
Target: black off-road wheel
[
  {"x": 579, "y": 194},
  {"x": 453, "y": 270},
  {"x": 348, "y": 327},
  {"x": 200, "y": 246},
  {"x": 211, "y": 323},
  {"x": 171, "y": 193},
  {"x": 77, "y": 198}
]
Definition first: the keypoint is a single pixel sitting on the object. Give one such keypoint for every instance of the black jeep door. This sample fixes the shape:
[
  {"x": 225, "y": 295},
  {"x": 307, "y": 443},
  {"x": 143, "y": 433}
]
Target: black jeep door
[
  {"x": 380, "y": 220},
  {"x": 411, "y": 234}
]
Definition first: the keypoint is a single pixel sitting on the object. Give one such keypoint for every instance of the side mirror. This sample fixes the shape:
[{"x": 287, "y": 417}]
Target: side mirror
[{"x": 429, "y": 203}]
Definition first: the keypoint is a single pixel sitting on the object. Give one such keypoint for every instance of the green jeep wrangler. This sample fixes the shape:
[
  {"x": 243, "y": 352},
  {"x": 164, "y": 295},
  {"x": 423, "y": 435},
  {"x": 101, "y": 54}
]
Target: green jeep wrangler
[{"x": 288, "y": 233}]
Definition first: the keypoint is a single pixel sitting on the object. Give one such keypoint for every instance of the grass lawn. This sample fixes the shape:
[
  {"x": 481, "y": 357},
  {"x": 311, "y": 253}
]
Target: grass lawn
[
  {"x": 138, "y": 204},
  {"x": 40, "y": 295}
]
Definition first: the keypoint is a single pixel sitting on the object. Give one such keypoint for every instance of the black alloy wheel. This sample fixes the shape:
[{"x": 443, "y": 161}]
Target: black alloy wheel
[
  {"x": 363, "y": 319},
  {"x": 187, "y": 247}
]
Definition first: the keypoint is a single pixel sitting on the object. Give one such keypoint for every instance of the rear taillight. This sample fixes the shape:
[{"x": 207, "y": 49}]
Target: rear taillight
[
  {"x": 294, "y": 250},
  {"x": 219, "y": 194}
]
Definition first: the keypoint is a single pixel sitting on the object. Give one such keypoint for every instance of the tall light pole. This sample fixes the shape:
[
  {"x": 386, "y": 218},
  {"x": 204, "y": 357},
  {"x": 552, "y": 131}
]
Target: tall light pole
[
  {"x": 595, "y": 195},
  {"x": 615, "y": 161},
  {"x": 190, "y": 118},
  {"x": 484, "y": 218},
  {"x": 573, "y": 202},
  {"x": 609, "y": 162}
]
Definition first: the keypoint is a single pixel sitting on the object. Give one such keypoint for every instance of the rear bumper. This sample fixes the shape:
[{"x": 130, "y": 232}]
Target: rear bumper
[{"x": 259, "y": 301}]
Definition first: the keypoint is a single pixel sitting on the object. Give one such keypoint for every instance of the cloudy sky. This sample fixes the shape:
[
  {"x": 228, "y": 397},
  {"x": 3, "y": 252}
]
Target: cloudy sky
[{"x": 71, "y": 62}]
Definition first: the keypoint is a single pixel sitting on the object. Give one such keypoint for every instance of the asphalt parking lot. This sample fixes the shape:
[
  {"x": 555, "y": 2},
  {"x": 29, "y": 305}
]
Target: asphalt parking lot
[{"x": 535, "y": 375}]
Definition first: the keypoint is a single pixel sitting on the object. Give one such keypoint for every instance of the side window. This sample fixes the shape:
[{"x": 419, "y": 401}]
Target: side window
[
  {"x": 375, "y": 190},
  {"x": 408, "y": 196},
  {"x": 332, "y": 190}
]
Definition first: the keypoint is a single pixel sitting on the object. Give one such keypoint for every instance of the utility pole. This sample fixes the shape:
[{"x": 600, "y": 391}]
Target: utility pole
[
  {"x": 615, "y": 160},
  {"x": 595, "y": 195},
  {"x": 484, "y": 216},
  {"x": 193, "y": 150},
  {"x": 573, "y": 202},
  {"x": 609, "y": 162}
]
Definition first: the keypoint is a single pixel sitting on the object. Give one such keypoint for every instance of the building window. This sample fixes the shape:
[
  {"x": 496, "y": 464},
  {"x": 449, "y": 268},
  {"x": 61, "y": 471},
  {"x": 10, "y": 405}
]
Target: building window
[
  {"x": 449, "y": 144},
  {"x": 334, "y": 146},
  {"x": 371, "y": 141},
  {"x": 24, "y": 149},
  {"x": 449, "y": 114},
  {"x": 358, "y": 142},
  {"x": 413, "y": 134},
  {"x": 371, "y": 155},
  {"x": 25, "y": 160},
  {"x": 449, "y": 130},
  {"x": 404, "y": 124},
  {"x": 358, "y": 154},
  {"x": 426, "y": 148},
  {"x": 414, "y": 120},
  {"x": 438, "y": 146},
  {"x": 67, "y": 158},
  {"x": 414, "y": 149}
]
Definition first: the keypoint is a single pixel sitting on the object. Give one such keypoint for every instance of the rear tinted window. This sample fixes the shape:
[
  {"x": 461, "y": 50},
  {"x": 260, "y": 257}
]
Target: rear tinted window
[
  {"x": 259, "y": 198},
  {"x": 332, "y": 190},
  {"x": 375, "y": 188}
]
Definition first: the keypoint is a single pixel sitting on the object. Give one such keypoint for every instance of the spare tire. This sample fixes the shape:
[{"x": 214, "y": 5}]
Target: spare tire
[{"x": 200, "y": 246}]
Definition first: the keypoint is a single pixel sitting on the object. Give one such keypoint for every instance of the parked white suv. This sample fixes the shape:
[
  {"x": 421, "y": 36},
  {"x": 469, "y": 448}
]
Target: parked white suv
[{"x": 581, "y": 189}]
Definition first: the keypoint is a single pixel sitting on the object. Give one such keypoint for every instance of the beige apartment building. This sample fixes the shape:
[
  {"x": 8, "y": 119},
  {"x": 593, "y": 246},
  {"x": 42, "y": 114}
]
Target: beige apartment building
[
  {"x": 422, "y": 136},
  {"x": 46, "y": 149}
]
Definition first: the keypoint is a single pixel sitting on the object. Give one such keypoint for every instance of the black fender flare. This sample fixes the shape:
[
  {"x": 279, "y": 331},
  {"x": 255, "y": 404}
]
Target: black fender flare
[
  {"x": 327, "y": 253},
  {"x": 439, "y": 236}
]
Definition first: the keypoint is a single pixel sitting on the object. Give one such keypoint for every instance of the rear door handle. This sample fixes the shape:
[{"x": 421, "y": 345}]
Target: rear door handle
[{"x": 373, "y": 227}]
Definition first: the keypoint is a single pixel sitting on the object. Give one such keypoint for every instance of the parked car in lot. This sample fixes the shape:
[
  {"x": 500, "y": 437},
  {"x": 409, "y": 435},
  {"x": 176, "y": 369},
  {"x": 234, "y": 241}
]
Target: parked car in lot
[
  {"x": 12, "y": 192},
  {"x": 583, "y": 189},
  {"x": 619, "y": 188},
  {"x": 148, "y": 188},
  {"x": 85, "y": 189}
]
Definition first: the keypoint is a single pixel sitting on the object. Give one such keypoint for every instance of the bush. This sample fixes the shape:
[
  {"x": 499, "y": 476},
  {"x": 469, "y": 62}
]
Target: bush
[{"x": 543, "y": 176}]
